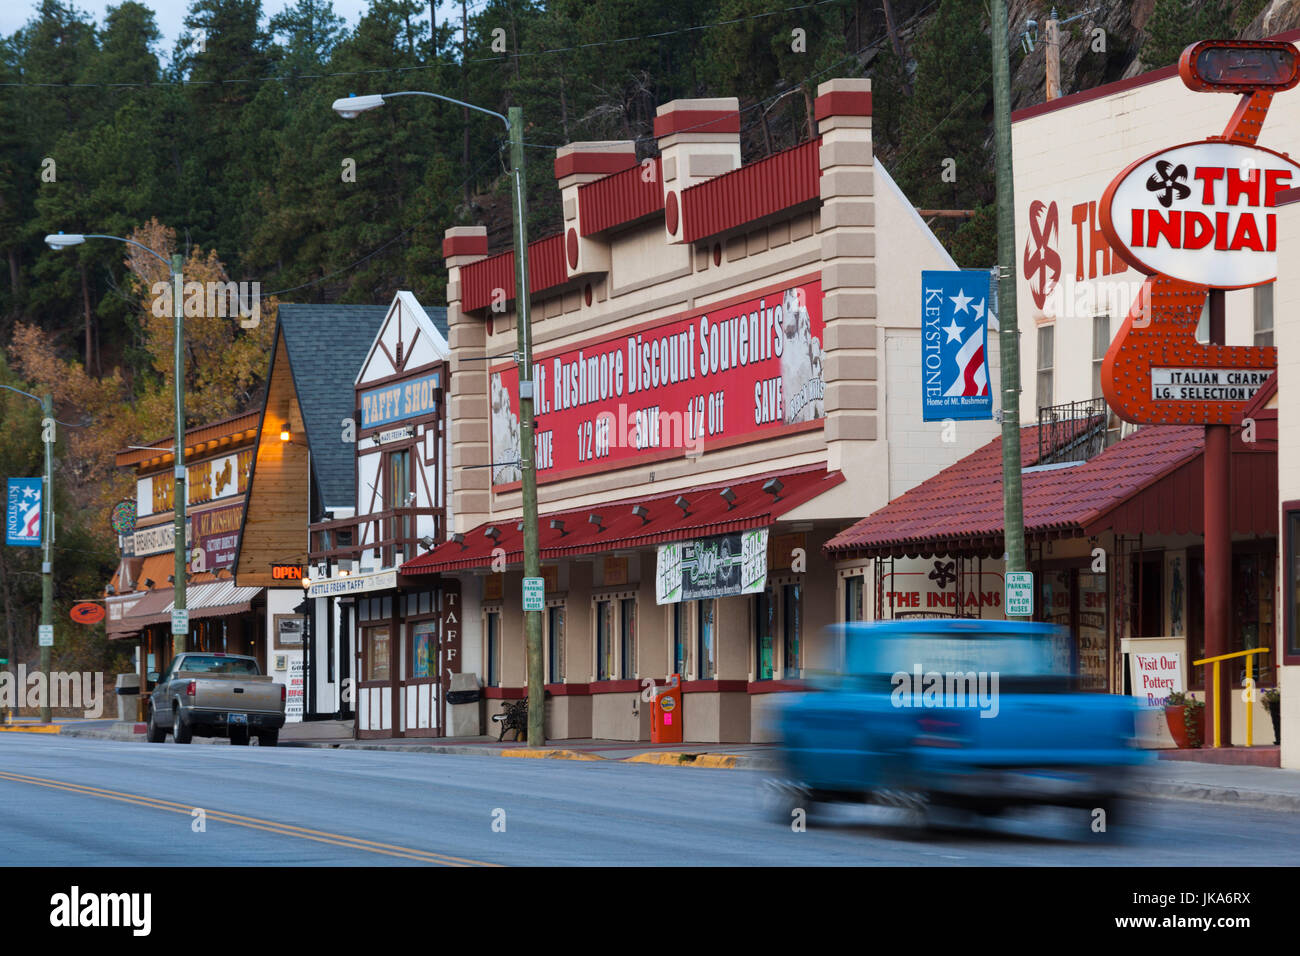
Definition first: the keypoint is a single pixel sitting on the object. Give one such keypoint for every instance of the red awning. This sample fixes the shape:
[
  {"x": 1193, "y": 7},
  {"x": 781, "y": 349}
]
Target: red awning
[
  {"x": 1151, "y": 482},
  {"x": 620, "y": 528}
]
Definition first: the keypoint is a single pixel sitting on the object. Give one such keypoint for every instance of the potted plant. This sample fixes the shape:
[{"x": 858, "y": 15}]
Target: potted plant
[
  {"x": 1184, "y": 714},
  {"x": 1272, "y": 700}
]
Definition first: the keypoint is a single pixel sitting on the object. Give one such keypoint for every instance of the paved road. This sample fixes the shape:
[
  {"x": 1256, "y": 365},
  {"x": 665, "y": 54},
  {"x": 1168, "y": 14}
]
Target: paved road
[{"x": 65, "y": 801}]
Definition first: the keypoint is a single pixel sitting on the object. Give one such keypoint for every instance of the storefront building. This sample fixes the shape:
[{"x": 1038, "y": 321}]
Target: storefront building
[
  {"x": 139, "y": 598},
  {"x": 1074, "y": 292},
  {"x": 727, "y": 373},
  {"x": 303, "y": 470},
  {"x": 403, "y": 645}
]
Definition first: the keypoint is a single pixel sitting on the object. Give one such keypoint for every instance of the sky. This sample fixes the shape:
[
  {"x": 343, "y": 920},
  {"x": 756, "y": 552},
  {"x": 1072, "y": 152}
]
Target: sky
[{"x": 170, "y": 14}]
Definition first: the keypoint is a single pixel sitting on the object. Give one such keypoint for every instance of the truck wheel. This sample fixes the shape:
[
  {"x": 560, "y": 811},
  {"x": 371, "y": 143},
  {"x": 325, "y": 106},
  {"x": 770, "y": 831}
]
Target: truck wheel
[
  {"x": 181, "y": 732},
  {"x": 153, "y": 733},
  {"x": 238, "y": 737},
  {"x": 269, "y": 738}
]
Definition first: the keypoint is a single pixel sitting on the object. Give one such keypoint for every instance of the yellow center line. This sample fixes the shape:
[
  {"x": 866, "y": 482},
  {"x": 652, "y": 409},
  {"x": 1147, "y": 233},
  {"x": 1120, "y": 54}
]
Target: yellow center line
[{"x": 253, "y": 823}]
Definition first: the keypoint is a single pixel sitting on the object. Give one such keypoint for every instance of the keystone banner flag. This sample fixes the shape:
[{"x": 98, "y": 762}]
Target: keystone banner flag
[
  {"x": 23, "y": 515},
  {"x": 954, "y": 345}
]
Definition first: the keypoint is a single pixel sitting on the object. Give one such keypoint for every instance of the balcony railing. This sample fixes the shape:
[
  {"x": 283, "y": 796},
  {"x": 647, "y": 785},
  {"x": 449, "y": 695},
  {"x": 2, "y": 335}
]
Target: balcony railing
[
  {"x": 387, "y": 532},
  {"x": 1075, "y": 431}
]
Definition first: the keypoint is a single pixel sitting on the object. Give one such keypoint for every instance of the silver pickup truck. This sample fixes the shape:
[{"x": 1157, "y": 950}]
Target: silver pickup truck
[{"x": 215, "y": 695}]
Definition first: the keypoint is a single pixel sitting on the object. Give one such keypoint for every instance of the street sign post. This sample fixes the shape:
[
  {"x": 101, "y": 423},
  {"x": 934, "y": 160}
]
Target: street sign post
[
  {"x": 534, "y": 594},
  {"x": 1019, "y": 600},
  {"x": 45, "y": 632},
  {"x": 181, "y": 621}
]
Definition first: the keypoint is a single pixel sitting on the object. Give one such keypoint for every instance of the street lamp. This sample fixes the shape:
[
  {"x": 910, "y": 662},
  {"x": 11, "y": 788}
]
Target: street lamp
[
  {"x": 180, "y": 623},
  {"x": 350, "y": 107},
  {"x": 47, "y": 542}
]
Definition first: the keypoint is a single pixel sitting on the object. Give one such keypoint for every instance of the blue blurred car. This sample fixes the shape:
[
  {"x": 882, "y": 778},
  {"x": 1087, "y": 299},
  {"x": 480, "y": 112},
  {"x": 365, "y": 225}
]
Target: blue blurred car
[{"x": 980, "y": 715}]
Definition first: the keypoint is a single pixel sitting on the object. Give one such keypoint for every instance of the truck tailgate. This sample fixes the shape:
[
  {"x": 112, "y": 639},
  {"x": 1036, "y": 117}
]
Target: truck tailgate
[{"x": 244, "y": 694}]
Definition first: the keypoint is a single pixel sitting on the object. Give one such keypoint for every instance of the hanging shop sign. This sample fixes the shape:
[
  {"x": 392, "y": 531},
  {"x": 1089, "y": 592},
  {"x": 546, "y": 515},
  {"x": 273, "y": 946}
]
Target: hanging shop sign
[
  {"x": 1196, "y": 217},
  {"x": 23, "y": 513},
  {"x": 733, "y": 372},
  {"x": 954, "y": 345},
  {"x": 353, "y": 584},
  {"x": 719, "y": 566},
  {"x": 414, "y": 398},
  {"x": 87, "y": 612}
]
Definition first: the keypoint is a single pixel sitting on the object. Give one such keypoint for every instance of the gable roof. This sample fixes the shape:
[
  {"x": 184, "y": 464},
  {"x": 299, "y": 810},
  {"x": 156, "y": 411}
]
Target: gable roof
[
  {"x": 326, "y": 345},
  {"x": 430, "y": 322}
]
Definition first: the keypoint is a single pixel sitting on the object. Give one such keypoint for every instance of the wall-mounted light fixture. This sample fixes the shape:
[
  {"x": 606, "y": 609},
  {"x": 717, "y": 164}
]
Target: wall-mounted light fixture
[
  {"x": 773, "y": 487},
  {"x": 685, "y": 505},
  {"x": 460, "y": 540},
  {"x": 729, "y": 496},
  {"x": 493, "y": 532},
  {"x": 597, "y": 521},
  {"x": 557, "y": 524},
  {"x": 285, "y": 433},
  {"x": 148, "y": 582},
  {"x": 642, "y": 512}
]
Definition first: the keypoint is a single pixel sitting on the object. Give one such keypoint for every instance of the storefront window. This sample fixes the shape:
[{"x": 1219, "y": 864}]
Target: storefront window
[
  {"x": 604, "y": 640},
  {"x": 378, "y": 656},
  {"x": 627, "y": 655},
  {"x": 424, "y": 649},
  {"x": 680, "y": 626},
  {"x": 554, "y": 643},
  {"x": 493, "y": 648},
  {"x": 853, "y": 593},
  {"x": 764, "y": 614},
  {"x": 791, "y": 615},
  {"x": 399, "y": 486},
  {"x": 1250, "y": 618},
  {"x": 708, "y": 664},
  {"x": 1291, "y": 583}
]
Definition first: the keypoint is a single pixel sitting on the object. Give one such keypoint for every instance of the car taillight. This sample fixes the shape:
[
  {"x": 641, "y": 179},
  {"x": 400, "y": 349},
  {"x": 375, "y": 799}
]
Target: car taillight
[
  {"x": 282, "y": 698},
  {"x": 938, "y": 733},
  {"x": 189, "y": 689}
]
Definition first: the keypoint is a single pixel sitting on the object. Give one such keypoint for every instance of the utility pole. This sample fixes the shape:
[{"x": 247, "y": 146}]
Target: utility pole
[
  {"x": 180, "y": 635},
  {"x": 1053, "y": 28},
  {"x": 464, "y": 89},
  {"x": 1013, "y": 515},
  {"x": 527, "y": 455},
  {"x": 47, "y": 562}
]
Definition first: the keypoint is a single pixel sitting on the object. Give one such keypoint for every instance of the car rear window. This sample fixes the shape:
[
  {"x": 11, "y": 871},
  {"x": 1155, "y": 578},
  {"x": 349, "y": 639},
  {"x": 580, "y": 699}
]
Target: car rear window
[{"x": 202, "y": 664}]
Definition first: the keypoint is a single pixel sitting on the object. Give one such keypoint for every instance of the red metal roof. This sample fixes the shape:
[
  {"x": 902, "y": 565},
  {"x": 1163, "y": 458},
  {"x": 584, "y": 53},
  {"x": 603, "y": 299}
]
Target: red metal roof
[
  {"x": 621, "y": 529},
  {"x": 1151, "y": 482},
  {"x": 619, "y": 199},
  {"x": 545, "y": 270},
  {"x": 744, "y": 195}
]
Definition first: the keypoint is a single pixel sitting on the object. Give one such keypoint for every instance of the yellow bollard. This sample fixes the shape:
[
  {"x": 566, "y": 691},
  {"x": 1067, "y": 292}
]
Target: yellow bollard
[
  {"x": 1250, "y": 703},
  {"x": 1216, "y": 704}
]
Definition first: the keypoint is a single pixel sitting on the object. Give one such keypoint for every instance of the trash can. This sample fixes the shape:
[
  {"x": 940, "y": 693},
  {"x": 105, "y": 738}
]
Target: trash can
[
  {"x": 128, "y": 693},
  {"x": 666, "y": 712},
  {"x": 464, "y": 706}
]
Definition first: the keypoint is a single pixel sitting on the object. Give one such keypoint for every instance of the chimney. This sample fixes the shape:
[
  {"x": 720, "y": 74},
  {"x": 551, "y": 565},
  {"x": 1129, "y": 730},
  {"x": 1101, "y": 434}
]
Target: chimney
[
  {"x": 698, "y": 139},
  {"x": 576, "y": 165}
]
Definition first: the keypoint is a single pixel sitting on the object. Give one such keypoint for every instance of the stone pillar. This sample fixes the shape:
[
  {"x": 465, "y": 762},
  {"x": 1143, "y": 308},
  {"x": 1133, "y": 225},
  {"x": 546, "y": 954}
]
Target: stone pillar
[
  {"x": 848, "y": 242},
  {"x": 467, "y": 394},
  {"x": 698, "y": 139},
  {"x": 576, "y": 165}
]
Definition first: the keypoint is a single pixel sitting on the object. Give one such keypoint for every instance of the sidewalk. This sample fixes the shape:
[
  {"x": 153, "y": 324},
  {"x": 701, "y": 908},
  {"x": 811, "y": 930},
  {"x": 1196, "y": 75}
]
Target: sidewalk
[{"x": 1263, "y": 788}]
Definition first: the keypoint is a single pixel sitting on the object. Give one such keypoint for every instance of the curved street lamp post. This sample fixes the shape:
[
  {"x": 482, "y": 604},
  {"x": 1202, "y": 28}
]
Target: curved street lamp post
[
  {"x": 180, "y": 622},
  {"x": 350, "y": 107}
]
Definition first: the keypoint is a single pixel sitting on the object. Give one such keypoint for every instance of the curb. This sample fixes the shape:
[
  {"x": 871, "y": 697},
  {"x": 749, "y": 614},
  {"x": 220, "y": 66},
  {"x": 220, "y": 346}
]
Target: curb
[
  {"x": 31, "y": 728},
  {"x": 551, "y": 754},
  {"x": 681, "y": 758},
  {"x": 1204, "y": 793}
]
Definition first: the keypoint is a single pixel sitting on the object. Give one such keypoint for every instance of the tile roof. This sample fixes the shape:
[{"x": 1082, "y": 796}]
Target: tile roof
[
  {"x": 961, "y": 507},
  {"x": 621, "y": 529},
  {"x": 327, "y": 345}
]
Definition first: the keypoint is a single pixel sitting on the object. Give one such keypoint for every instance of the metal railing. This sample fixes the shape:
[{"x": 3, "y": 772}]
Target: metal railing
[
  {"x": 1250, "y": 681},
  {"x": 389, "y": 532},
  {"x": 1074, "y": 431}
]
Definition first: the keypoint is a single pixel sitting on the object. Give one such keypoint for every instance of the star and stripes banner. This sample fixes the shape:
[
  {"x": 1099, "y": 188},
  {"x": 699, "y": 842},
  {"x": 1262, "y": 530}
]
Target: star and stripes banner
[
  {"x": 23, "y": 515},
  {"x": 955, "y": 309}
]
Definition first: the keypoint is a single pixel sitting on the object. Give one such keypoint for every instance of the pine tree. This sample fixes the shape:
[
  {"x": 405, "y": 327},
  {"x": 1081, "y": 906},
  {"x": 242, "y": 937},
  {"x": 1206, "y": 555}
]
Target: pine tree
[{"x": 1175, "y": 24}]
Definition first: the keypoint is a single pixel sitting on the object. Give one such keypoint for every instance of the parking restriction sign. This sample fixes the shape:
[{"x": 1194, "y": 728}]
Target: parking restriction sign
[
  {"x": 534, "y": 594},
  {"x": 1020, "y": 594}
]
